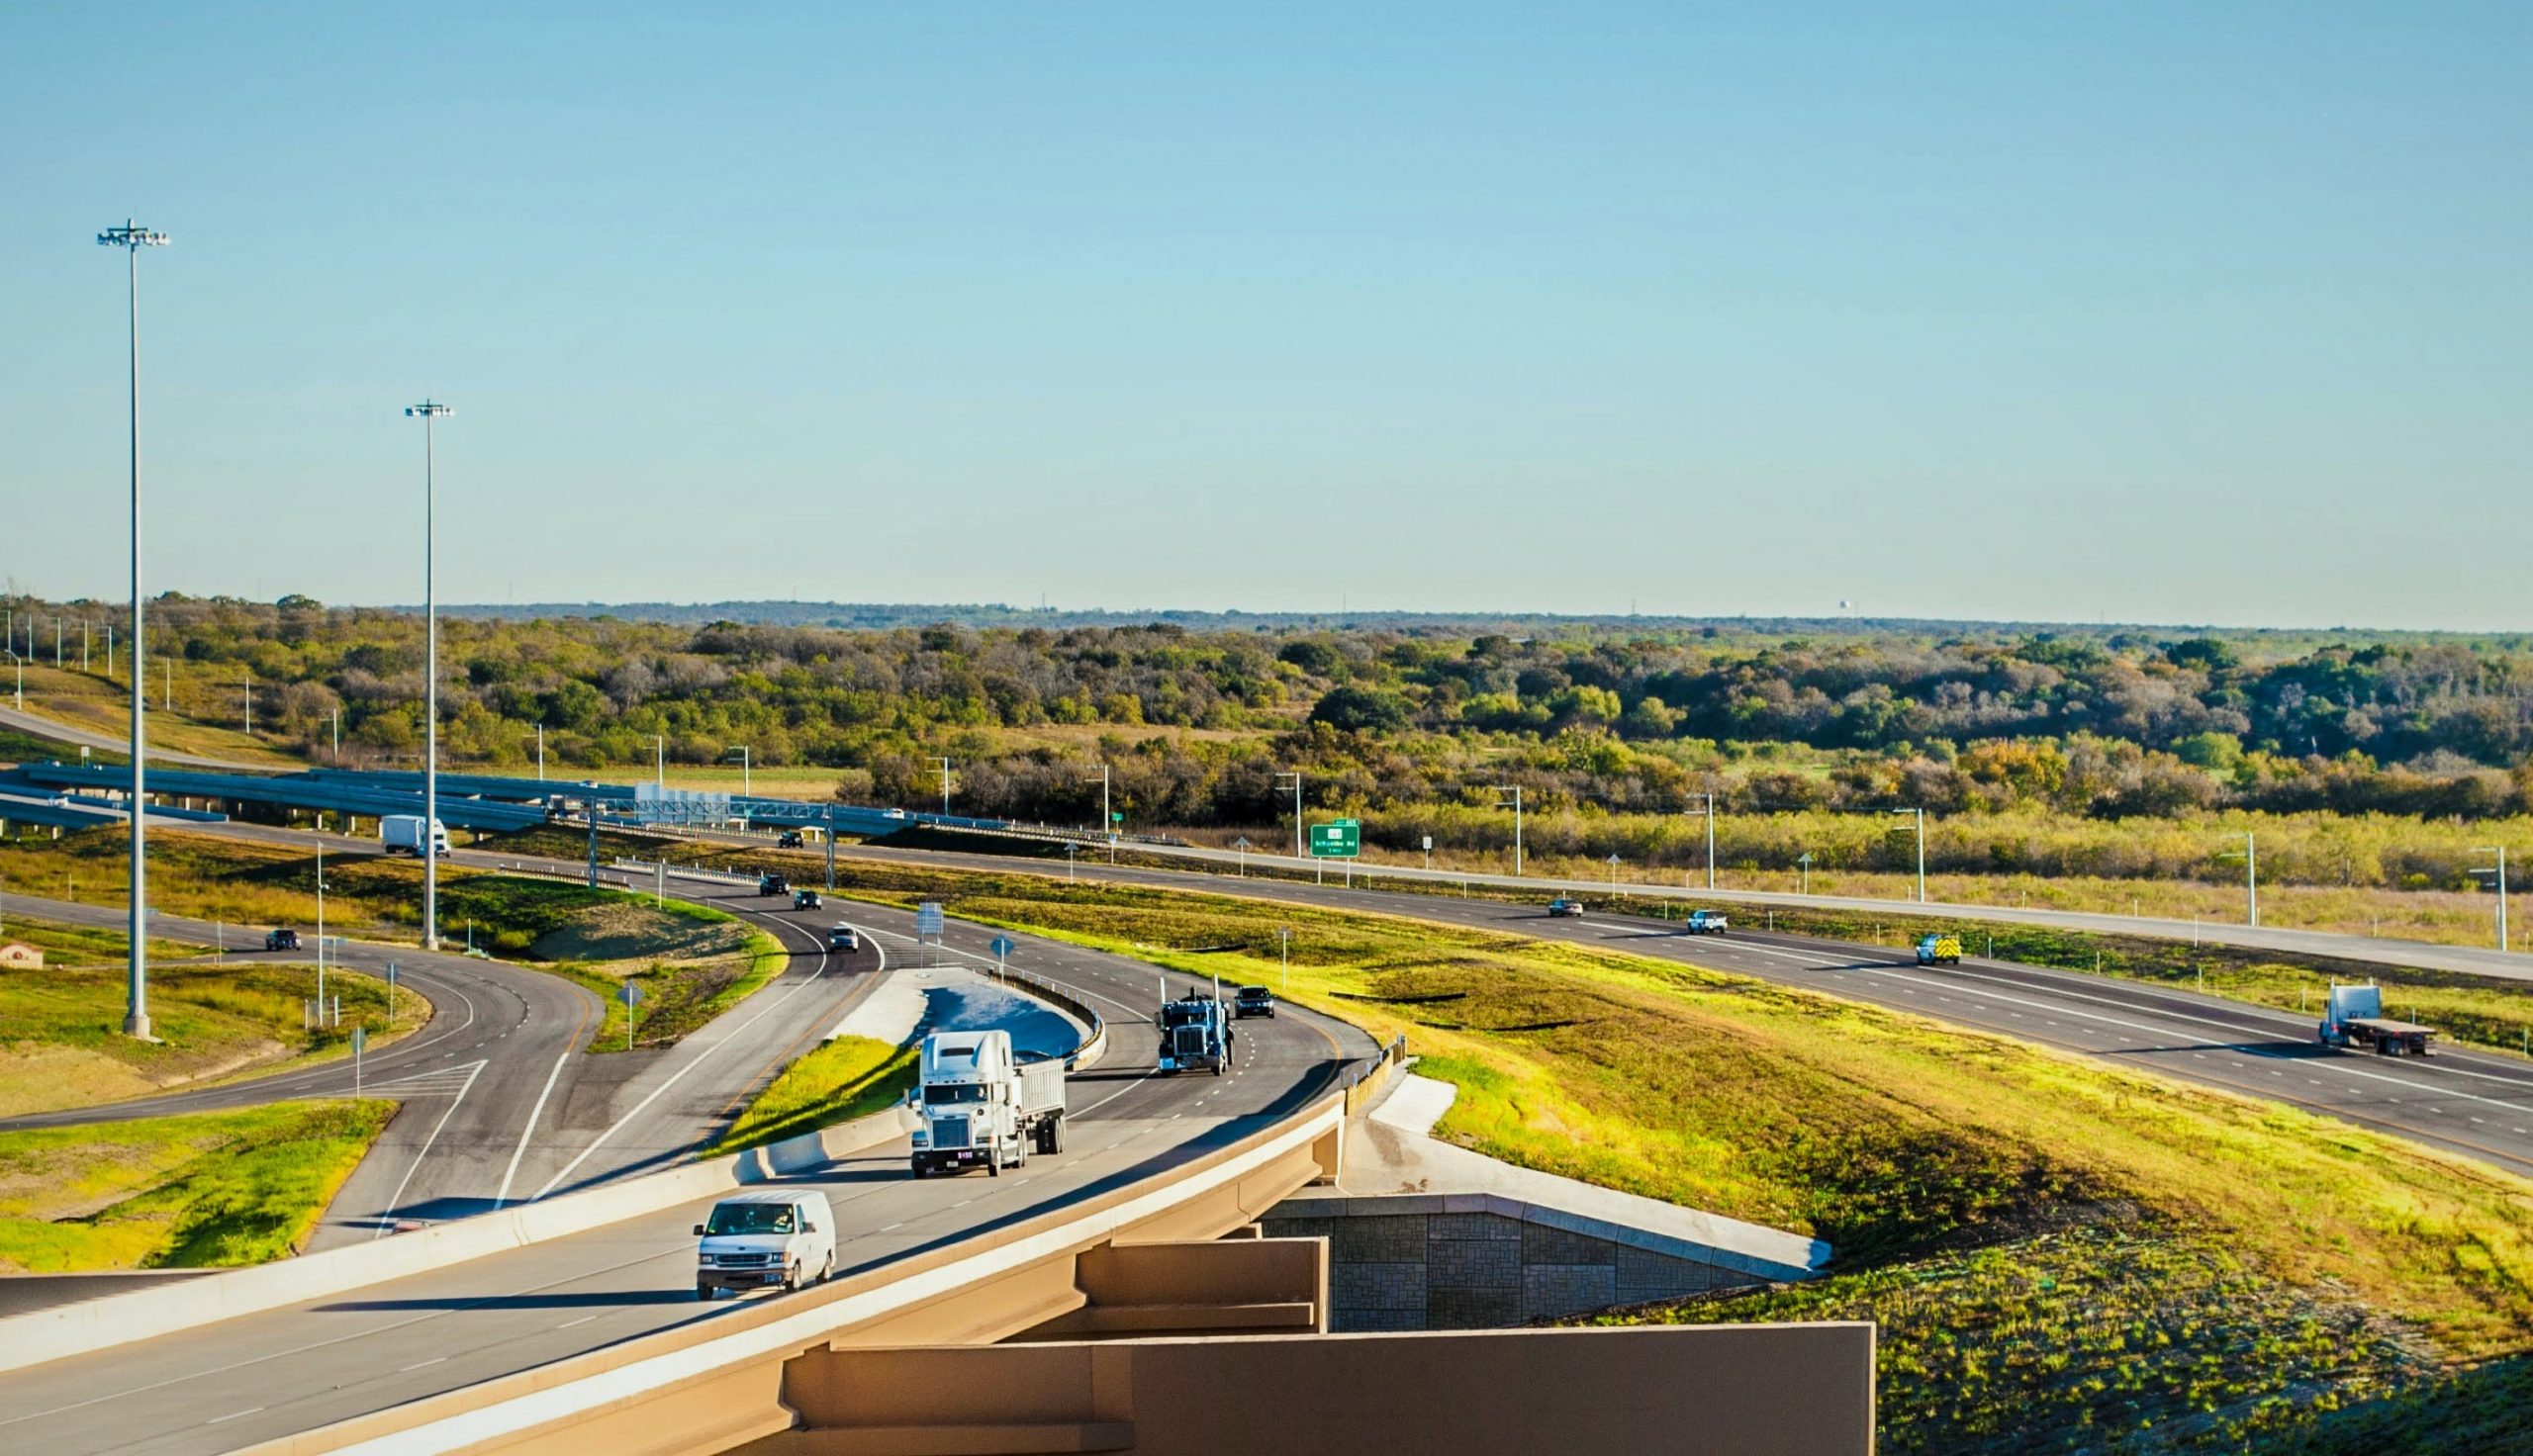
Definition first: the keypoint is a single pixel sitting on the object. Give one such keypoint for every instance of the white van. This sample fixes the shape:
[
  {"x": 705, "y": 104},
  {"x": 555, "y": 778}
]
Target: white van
[{"x": 770, "y": 1237}]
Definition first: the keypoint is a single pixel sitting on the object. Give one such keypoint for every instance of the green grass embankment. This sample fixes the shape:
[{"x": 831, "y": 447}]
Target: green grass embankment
[
  {"x": 199, "y": 1191},
  {"x": 836, "y": 1082},
  {"x": 60, "y": 1027}
]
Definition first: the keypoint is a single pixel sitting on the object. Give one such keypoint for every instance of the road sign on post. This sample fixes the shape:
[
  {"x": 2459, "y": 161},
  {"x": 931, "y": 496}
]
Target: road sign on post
[
  {"x": 631, "y": 995},
  {"x": 1002, "y": 947},
  {"x": 1337, "y": 839},
  {"x": 927, "y": 923}
]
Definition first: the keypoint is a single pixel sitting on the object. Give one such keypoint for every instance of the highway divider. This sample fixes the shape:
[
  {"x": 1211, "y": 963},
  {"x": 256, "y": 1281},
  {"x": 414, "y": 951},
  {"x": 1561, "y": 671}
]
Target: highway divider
[{"x": 75, "y": 1329}]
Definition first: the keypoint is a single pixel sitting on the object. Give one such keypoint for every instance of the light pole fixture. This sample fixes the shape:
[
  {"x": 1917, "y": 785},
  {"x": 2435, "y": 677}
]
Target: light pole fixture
[
  {"x": 1920, "y": 816},
  {"x": 2249, "y": 853},
  {"x": 1107, "y": 817},
  {"x": 2499, "y": 870},
  {"x": 431, "y": 413},
  {"x": 132, "y": 238},
  {"x": 1296, "y": 776},
  {"x": 660, "y": 762},
  {"x": 1515, "y": 790}
]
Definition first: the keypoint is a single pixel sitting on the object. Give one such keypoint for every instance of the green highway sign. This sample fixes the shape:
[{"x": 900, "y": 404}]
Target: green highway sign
[{"x": 1337, "y": 839}]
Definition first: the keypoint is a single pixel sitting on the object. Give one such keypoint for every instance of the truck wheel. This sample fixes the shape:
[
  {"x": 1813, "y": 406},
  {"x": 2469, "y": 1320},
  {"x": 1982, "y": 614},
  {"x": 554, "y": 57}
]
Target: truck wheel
[
  {"x": 994, "y": 1162},
  {"x": 1218, "y": 1065},
  {"x": 1056, "y": 1134}
]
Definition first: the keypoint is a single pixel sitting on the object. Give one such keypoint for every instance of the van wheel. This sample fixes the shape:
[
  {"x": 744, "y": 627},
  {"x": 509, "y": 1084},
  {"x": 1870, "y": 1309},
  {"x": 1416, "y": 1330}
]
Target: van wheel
[
  {"x": 1056, "y": 1134},
  {"x": 826, "y": 1271},
  {"x": 790, "y": 1278}
]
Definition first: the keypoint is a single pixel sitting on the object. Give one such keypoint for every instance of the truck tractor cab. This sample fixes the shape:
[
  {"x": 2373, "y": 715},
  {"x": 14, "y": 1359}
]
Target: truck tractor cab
[
  {"x": 1194, "y": 1035},
  {"x": 1940, "y": 951},
  {"x": 981, "y": 1106},
  {"x": 773, "y": 1238},
  {"x": 281, "y": 940}
]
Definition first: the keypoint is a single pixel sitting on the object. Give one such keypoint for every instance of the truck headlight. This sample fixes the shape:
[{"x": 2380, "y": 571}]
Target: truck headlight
[{"x": 922, "y": 1140}]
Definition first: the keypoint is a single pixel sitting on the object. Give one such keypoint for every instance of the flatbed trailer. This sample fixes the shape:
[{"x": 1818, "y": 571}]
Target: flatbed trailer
[{"x": 2390, "y": 1038}]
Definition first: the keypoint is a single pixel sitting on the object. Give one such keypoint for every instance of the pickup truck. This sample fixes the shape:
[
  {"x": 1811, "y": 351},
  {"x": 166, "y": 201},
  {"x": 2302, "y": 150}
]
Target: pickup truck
[
  {"x": 1707, "y": 922},
  {"x": 1940, "y": 951},
  {"x": 281, "y": 940},
  {"x": 773, "y": 884},
  {"x": 1562, "y": 908},
  {"x": 806, "y": 901},
  {"x": 789, "y": 839}
]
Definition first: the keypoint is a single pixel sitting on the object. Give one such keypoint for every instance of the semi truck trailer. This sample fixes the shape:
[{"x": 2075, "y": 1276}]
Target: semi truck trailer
[{"x": 981, "y": 1106}]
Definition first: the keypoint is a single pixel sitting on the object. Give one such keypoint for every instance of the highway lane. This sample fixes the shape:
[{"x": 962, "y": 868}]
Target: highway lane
[
  {"x": 466, "y": 1079},
  {"x": 262, "y": 1375},
  {"x": 2476, "y": 1103}
]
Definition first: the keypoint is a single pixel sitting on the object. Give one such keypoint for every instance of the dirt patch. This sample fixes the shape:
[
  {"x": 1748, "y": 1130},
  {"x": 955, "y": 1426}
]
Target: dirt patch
[{"x": 630, "y": 932}]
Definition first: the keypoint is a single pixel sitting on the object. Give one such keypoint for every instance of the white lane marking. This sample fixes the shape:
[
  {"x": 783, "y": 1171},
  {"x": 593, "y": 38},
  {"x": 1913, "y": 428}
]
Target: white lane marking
[
  {"x": 396, "y": 1200},
  {"x": 529, "y": 1131},
  {"x": 233, "y": 1416},
  {"x": 569, "y": 1324},
  {"x": 419, "y": 1364},
  {"x": 697, "y": 1061}
]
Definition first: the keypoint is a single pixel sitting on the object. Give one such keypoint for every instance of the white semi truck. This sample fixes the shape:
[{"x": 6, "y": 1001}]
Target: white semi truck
[
  {"x": 982, "y": 1105},
  {"x": 2353, "y": 1016},
  {"x": 402, "y": 834}
]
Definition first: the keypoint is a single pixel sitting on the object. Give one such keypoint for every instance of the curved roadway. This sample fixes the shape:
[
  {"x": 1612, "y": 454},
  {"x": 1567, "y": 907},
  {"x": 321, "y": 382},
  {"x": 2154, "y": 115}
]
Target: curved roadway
[{"x": 268, "y": 1374}]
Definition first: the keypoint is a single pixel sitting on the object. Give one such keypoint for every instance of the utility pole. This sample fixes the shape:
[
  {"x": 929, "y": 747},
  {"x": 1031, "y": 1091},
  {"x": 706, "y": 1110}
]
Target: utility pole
[
  {"x": 431, "y": 413},
  {"x": 1296, "y": 776},
  {"x": 1920, "y": 816},
  {"x": 1515, "y": 790},
  {"x": 251, "y": 700},
  {"x": 945, "y": 785},
  {"x": 540, "y": 753},
  {"x": 320, "y": 933},
  {"x": 135, "y": 1021},
  {"x": 2500, "y": 871},
  {"x": 2249, "y": 853}
]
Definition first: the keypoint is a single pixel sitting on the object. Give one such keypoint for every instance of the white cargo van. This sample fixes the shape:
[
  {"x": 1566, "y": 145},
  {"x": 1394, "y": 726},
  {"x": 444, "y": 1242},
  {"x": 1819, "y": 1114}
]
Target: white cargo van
[
  {"x": 402, "y": 834},
  {"x": 766, "y": 1238}
]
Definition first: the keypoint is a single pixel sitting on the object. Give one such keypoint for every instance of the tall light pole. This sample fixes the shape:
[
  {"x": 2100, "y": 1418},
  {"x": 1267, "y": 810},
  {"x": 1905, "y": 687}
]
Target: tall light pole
[
  {"x": 747, "y": 770},
  {"x": 1709, "y": 796},
  {"x": 429, "y": 412},
  {"x": 2500, "y": 871},
  {"x": 21, "y": 664},
  {"x": 660, "y": 762},
  {"x": 1920, "y": 816},
  {"x": 2249, "y": 853},
  {"x": 132, "y": 240},
  {"x": 1107, "y": 829},
  {"x": 945, "y": 784},
  {"x": 1515, "y": 790},
  {"x": 1296, "y": 776}
]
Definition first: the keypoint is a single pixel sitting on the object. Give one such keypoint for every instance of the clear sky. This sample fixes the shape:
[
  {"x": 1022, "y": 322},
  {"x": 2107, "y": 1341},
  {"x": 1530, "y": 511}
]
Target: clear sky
[{"x": 2154, "y": 312}]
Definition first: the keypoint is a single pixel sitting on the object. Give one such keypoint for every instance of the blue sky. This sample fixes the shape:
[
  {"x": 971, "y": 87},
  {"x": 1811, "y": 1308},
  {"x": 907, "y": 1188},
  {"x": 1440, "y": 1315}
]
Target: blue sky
[{"x": 2161, "y": 313}]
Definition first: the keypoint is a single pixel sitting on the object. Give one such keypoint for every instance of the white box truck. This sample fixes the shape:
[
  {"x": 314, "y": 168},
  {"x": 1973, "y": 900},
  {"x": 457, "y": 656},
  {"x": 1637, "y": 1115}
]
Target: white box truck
[
  {"x": 402, "y": 834},
  {"x": 981, "y": 1105},
  {"x": 768, "y": 1238}
]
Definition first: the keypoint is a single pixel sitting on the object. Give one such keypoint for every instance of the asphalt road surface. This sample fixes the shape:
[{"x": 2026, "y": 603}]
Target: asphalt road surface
[
  {"x": 2470, "y": 1101},
  {"x": 262, "y": 1375}
]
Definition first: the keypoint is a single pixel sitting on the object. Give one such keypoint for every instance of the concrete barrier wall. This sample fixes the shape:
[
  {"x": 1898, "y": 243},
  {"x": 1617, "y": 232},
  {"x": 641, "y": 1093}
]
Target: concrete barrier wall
[
  {"x": 74, "y": 1330},
  {"x": 1732, "y": 1389}
]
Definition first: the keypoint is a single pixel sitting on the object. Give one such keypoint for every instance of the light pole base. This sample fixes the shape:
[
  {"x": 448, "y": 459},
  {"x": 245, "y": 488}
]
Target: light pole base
[{"x": 138, "y": 1028}]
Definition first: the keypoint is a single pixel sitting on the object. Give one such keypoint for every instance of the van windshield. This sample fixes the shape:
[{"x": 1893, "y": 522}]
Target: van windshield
[{"x": 749, "y": 1218}]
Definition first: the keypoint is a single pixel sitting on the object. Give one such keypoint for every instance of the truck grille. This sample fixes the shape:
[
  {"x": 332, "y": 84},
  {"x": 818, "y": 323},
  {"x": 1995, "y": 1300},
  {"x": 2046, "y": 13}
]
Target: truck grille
[
  {"x": 948, "y": 1132},
  {"x": 1187, "y": 1041},
  {"x": 747, "y": 1262}
]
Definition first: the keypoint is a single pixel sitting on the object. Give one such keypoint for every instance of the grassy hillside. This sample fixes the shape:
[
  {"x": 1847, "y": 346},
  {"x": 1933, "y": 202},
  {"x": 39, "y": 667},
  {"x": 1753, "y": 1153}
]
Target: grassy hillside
[
  {"x": 200, "y": 1191},
  {"x": 60, "y": 1027}
]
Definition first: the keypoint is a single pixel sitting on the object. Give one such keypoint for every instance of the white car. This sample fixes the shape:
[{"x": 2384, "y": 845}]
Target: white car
[{"x": 766, "y": 1239}]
